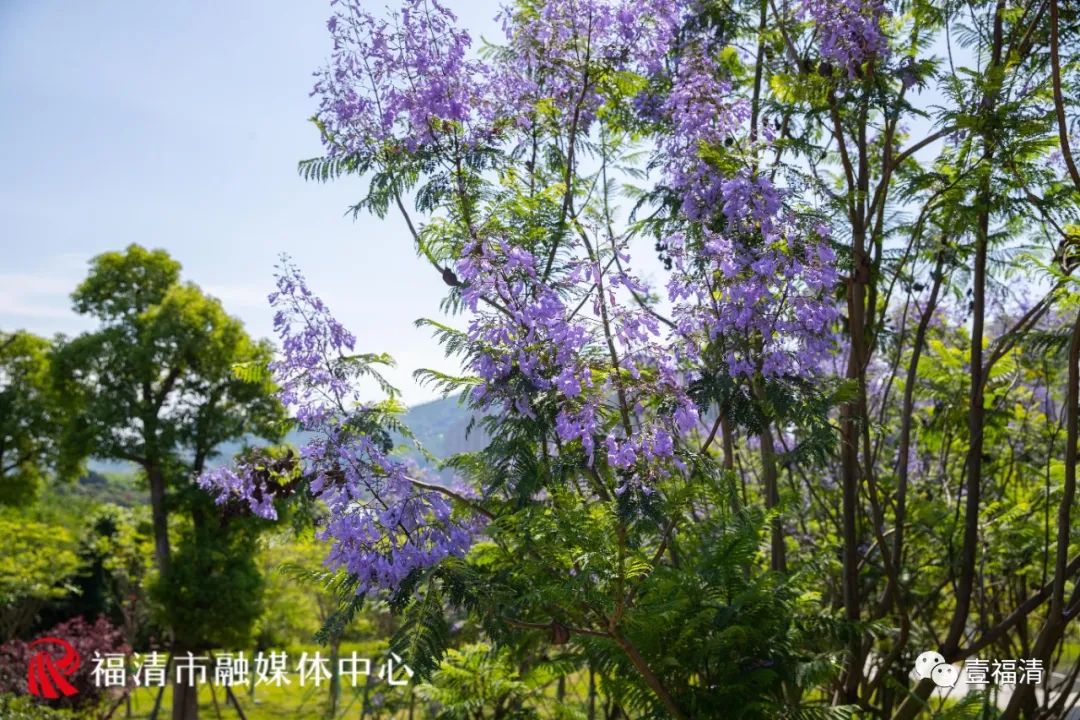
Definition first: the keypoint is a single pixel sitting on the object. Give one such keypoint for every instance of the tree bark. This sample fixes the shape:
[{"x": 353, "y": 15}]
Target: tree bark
[
  {"x": 907, "y": 418},
  {"x": 159, "y": 515},
  {"x": 650, "y": 677},
  {"x": 849, "y": 463},
  {"x": 976, "y": 412},
  {"x": 778, "y": 554},
  {"x": 185, "y": 704}
]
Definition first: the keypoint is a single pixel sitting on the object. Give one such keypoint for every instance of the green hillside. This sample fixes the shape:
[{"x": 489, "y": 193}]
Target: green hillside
[{"x": 440, "y": 426}]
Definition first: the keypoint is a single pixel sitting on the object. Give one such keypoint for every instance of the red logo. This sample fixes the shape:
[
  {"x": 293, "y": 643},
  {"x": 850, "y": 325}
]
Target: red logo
[{"x": 47, "y": 677}]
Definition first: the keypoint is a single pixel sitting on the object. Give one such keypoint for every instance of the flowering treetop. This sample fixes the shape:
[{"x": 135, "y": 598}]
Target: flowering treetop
[{"x": 515, "y": 153}]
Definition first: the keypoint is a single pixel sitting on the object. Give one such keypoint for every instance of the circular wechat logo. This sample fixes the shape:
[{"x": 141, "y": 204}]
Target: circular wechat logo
[
  {"x": 931, "y": 665},
  {"x": 945, "y": 675}
]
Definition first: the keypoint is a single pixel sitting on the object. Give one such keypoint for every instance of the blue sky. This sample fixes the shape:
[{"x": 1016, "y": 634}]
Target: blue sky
[{"x": 178, "y": 125}]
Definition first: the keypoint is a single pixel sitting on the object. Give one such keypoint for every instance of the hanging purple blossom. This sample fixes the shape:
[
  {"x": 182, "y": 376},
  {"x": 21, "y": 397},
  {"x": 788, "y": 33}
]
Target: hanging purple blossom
[
  {"x": 849, "y": 31},
  {"x": 381, "y": 525},
  {"x": 403, "y": 82}
]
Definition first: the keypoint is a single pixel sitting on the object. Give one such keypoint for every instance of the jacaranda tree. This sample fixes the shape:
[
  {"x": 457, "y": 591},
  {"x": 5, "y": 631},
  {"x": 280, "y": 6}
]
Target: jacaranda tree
[{"x": 761, "y": 485}]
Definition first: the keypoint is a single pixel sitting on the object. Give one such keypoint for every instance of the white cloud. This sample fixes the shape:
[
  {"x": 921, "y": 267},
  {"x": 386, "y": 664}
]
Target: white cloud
[
  {"x": 40, "y": 300},
  {"x": 240, "y": 296},
  {"x": 33, "y": 296}
]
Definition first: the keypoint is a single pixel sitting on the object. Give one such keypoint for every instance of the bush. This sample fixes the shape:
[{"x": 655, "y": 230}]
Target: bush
[
  {"x": 87, "y": 638},
  {"x": 24, "y": 707}
]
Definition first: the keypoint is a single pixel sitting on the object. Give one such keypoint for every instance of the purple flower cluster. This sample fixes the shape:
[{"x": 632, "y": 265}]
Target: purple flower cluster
[
  {"x": 763, "y": 298},
  {"x": 562, "y": 51},
  {"x": 382, "y": 526},
  {"x": 239, "y": 483},
  {"x": 403, "y": 82},
  {"x": 311, "y": 370},
  {"x": 411, "y": 81},
  {"x": 384, "y": 529},
  {"x": 702, "y": 111},
  {"x": 849, "y": 30},
  {"x": 564, "y": 331},
  {"x": 578, "y": 340},
  {"x": 745, "y": 275}
]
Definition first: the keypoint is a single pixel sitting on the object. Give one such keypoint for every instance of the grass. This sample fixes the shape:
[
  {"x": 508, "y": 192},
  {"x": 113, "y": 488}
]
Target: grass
[
  {"x": 266, "y": 703},
  {"x": 269, "y": 703}
]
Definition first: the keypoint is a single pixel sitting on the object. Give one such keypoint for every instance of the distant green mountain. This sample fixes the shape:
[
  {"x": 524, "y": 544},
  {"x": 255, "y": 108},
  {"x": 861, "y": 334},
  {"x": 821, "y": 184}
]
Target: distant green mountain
[
  {"x": 115, "y": 487},
  {"x": 441, "y": 427}
]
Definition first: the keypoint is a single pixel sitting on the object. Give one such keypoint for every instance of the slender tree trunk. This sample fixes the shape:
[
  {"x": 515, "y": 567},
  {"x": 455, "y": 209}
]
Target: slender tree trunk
[
  {"x": 907, "y": 417},
  {"x": 185, "y": 704},
  {"x": 976, "y": 412},
  {"x": 1059, "y": 100},
  {"x": 650, "y": 677},
  {"x": 849, "y": 462},
  {"x": 976, "y": 415},
  {"x": 213, "y": 697},
  {"x": 159, "y": 515},
  {"x": 591, "y": 713},
  {"x": 335, "y": 679},
  {"x": 235, "y": 702},
  {"x": 157, "y": 703},
  {"x": 727, "y": 438},
  {"x": 778, "y": 553}
]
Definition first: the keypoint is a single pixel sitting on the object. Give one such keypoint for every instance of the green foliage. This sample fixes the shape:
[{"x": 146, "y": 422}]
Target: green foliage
[
  {"x": 159, "y": 341},
  {"x": 304, "y": 600},
  {"x": 24, "y": 707},
  {"x": 36, "y": 565},
  {"x": 424, "y": 635},
  {"x": 29, "y": 421},
  {"x": 155, "y": 385},
  {"x": 675, "y": 589},
  {"x": 212, "y": 595},
  {"x": 479, "y": 681},
  {"x": 115, "y": 558}
]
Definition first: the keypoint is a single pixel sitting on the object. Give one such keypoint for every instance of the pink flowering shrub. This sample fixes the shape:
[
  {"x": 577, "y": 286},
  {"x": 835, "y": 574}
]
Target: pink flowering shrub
[{"x": 85, "y": 637}]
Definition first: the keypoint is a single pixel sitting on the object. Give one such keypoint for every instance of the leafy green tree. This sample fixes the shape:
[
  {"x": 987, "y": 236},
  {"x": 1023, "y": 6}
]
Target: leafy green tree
[
  {"x": 37, "y": 561},
  {"x": 866, "y": 211},
  {"x": 116, "y": 553},
  {"x": 28, "y": 419},
  {"x": 211, "y": 596},
  {"x": 154, "y": 385}
]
